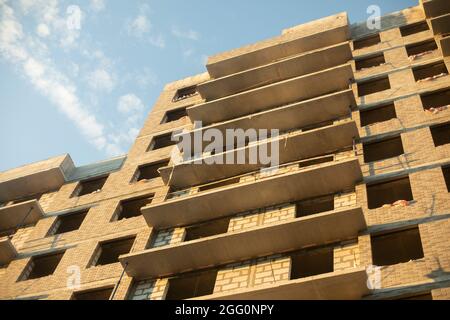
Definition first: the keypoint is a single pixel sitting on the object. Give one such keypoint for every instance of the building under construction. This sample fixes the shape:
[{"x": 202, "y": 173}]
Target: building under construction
[{"x": 359, "y": 207}]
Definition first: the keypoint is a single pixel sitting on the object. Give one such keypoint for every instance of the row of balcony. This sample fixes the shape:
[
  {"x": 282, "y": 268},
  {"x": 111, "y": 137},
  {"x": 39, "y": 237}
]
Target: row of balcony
[
  {"x": 326, "y": 138},
  {"x": 291, "y": 182},
  {"x": 273, "y": 95},
  {"x": 307, "y": 37},
  {"x": 438, "y": 13},
  {"x": 321, "y": 228}
]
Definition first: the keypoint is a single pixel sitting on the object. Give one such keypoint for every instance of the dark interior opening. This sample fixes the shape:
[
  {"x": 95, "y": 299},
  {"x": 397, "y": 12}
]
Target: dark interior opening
[
  {"x": 90, "y": 186},
  {"x": 207, "y": 229},
  {"x": 414, "y": 28},
  {"x": 132, "y": 208},
  {"x": 313, "y": 162},
  {"x": 185, "y": 93},
  {"x": 441, "y": 134},
  {"x": 175, "y": 115},
  {"x": 27, "y": 198},
  {"x": 312, "y": 262},
  {"x": 389, "y": 192},
  {"x": 429, "y": 70},
  {"x": 162, "y": 141},
  {"x": 70, "y": 222},
  {"x": 373, "y": 86},
  {"x": 150, "y": 171},
  {"x": 436, "y": 99},
  {"x": 384, "y": 149},
  {"x": 43, "y": 266},
  {"x": 396, "y": 247},
  {"x": 219, "y": 184},
  {"x": 378, "y": 114},
  {"x": 367, "y": 42},
  {"x": 369, "y": 62},
  {"x": 192, "y": 285},
  {"x": 99, "y": 294},
  {"x": 422, "y": 47},
  {"x": 446, "y": 172},
  {"x": 422, "y": 296},
  {"x": 313, "y": 206},
  {"x": 111, "y": 250}
]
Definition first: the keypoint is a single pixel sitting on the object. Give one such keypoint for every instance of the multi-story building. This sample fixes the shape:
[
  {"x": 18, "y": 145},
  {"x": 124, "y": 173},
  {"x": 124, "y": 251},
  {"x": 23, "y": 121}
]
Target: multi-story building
[{"x": 359, "y": 207}]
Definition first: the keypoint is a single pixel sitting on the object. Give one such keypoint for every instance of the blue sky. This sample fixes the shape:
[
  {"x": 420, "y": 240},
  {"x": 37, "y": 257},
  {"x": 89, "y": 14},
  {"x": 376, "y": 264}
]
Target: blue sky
[{"x": 80, "y": 77}]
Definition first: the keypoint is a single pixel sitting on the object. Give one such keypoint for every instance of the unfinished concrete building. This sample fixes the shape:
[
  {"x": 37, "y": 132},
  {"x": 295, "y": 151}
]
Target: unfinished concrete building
[{"x": 359, "y": 209}]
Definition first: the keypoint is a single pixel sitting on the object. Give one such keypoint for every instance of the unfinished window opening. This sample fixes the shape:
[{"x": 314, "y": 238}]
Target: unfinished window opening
[
  {"x": 396, "y": 247},
  {"x": 192, "y": 285},
  {"x": 207, "y": 229},
  {"x": 185, "y": 93},
  {"x": 421, "y": 48},
  {"x": 109, "y": 252},
  {"x": 219, "y": 184},
  {"x": 312, "y": 262},
  {"x": 314, "y": 162},
  {"x": 367, "y": 42},
  {"x": 90, "y": 186},
  {"x": 69, "y": 222},
  {"x": 41, "y": 266},
  {"x": 446, "y": 172},
  {"x": 150, "y": 171},
  {"x": 414, "y": 28},
  {"x": 383, "y": 149},
  {"x": 389, "y": 192},
  {"x": 378, "y": 114},
  {"x": 132, "y": 208},
  {"x": 373, "y": 86},
  {"x": 436, "y": 99},
  {"x": 429, "y": 71},
  {"x": 370, "y": 62},
  {"x": 162, "y": 141},
  {"x": 313, "y": 206},
  {"x": 175, "y": 115},
  {"x": 441, "y": 134},
  {"x": 26, "y": 199},
  {"x": 98, "y": 294}
]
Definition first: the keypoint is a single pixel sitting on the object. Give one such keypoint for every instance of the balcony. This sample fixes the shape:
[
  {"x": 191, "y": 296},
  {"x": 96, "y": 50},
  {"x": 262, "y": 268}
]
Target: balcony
[
  {"x": 435, "y": 8},
  {"x": 441, "y": 24},
  {"x": 316, "y": 142},
  {"x": 349, "y": 284},
  {"x": 273, "y": 95},
  {"x": 276, "y": 71},
  {"x": 7, "y": 251},
  {"x": 299, "y": 184},
  {"x": 445, "y": 46},
  {"x": 296, "y": 115},
  {"x": 307, "y": 37},
  {"x": 259, "y": 242},
  {"x": 35, "y": 178},
  {"x": 24, "y": 213}
]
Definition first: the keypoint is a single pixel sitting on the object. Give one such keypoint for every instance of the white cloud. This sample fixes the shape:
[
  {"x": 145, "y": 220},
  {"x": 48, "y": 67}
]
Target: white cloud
[
  {"x": 98, "y": 5},
  {"x": 65, "y": 22},
  {"x": 141, "y": 27},
  {"x": 185, "y": 34},
  {"x": 101, "y": 80},
  {"x": 43, "y": 30},
  {"x": 157, "y": 41},
  {"x": 130, "y": 103},
  {"x": 42, "y": 73},
  {"x": 188, "y": 52}
]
